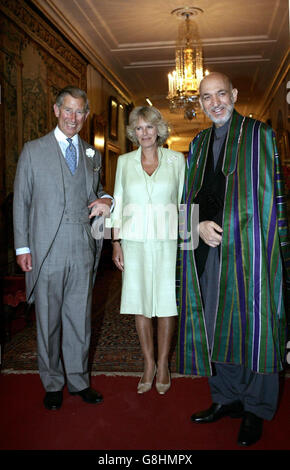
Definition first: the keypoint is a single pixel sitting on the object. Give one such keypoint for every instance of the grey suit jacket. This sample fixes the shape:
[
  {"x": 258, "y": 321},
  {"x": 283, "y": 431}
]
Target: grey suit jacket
[{"x": 39, "y": 198}]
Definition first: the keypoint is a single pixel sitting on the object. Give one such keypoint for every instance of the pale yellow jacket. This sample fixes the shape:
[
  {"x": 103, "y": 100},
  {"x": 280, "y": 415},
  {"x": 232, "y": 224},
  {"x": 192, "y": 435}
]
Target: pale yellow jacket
[{"x": 146, "y": 207}]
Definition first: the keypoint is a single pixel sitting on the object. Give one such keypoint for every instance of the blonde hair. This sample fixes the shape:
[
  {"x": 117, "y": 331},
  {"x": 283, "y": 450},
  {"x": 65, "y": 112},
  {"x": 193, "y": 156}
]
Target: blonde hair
[{"x": 151, "y": 115}]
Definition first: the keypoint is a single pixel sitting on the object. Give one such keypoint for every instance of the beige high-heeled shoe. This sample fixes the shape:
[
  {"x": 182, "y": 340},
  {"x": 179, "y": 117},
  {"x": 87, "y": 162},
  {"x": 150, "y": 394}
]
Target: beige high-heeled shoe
[
  {"x": 144, "y": 387},
  {"x": 163, "y": 388}
]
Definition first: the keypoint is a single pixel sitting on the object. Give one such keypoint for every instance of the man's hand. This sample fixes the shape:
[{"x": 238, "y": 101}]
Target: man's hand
[
  {"x": 210, "y": 233},
  {"x": 100, "y": 207},
  {"x": 25, "y": 262}
]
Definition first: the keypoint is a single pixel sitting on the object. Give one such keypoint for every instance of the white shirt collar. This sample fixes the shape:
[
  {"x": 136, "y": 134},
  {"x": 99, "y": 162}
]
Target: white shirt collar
[{"x": 61, "y": 137}]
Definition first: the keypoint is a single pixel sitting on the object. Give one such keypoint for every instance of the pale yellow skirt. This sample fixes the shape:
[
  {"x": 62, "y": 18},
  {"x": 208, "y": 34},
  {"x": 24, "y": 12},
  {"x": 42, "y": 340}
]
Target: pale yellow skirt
[{"x": 148, "y": 282}]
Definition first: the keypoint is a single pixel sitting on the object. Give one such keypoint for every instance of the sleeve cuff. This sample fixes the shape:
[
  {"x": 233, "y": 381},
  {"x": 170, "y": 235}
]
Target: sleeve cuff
[
  {"x": 22, "y": 251},
  {"x": 113, "y": 201}
]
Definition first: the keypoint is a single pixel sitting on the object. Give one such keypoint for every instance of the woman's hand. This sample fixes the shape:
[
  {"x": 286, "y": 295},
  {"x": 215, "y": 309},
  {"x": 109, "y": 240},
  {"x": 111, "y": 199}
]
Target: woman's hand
[{"x": 118, "y": 256}]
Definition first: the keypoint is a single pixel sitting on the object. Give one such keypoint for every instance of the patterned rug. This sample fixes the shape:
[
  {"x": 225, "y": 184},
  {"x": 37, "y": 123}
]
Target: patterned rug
[{"x": 114, "y": 341}]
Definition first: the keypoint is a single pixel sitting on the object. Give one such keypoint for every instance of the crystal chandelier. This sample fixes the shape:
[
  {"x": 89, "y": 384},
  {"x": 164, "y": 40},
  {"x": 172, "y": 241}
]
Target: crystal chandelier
[{"x": 183, "y": 82}]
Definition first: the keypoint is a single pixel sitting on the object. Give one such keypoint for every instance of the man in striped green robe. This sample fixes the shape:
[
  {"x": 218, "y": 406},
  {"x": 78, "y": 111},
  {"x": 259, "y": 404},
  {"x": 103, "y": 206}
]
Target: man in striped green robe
[{"x": 232, "y": 324}]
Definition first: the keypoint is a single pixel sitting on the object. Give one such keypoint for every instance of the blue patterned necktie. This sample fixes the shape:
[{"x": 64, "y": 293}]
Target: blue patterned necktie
[{"x": 71, "y": 156}]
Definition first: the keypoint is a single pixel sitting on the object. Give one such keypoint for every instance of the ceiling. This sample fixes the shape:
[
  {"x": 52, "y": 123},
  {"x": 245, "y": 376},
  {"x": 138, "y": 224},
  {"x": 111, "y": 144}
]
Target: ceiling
[{"x": 133, "y": 43}]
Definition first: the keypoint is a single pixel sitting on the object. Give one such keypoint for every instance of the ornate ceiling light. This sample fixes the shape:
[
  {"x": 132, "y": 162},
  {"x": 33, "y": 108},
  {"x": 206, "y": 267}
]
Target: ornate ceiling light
[{"x": 183, "y": 82}]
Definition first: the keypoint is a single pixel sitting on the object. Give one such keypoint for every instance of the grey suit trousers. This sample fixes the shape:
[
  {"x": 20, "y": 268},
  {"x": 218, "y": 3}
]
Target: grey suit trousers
[{"x": 63, "y": 296}]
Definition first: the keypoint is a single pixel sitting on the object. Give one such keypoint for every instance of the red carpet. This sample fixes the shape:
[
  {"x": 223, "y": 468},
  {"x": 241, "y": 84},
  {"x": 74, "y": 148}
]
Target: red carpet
[{"x": 125, "y": 421}]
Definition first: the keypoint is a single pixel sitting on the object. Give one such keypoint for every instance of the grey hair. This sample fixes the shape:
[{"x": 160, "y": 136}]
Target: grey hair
[
  {"x": 75, "y": 92},
  {"x": 153, "y": 116}
]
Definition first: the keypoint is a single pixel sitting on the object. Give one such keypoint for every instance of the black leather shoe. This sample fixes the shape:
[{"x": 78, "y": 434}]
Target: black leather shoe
[
  {"x": 251, "y": 429},
  {"x": 217, "y": 411},
  {"x": 53, "y": 400},
  {"x": 89, "y": 395}
]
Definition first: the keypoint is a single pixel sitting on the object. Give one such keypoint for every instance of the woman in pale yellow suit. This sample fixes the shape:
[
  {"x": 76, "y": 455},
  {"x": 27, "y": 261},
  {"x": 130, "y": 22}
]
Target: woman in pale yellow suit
[{"x": 148, "y": 189}]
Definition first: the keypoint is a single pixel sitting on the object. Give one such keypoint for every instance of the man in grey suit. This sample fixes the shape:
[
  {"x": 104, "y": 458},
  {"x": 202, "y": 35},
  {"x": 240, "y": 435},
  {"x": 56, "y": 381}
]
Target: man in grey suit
[{"x": 57, "y": 191}]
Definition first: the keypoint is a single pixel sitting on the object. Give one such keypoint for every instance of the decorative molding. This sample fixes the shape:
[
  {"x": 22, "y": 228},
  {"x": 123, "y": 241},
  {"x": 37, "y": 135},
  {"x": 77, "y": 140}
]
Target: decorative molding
[
  {"x": 278, "y": 78},
  {"x": 56, "y": 17},
  {"x": 236, "y": 59},
  {"x": 212, "y": 60},
  {"x": 41, "y": 32},
  {"x": 230, "y": 41},
  {"x": 150, "y": 64}
]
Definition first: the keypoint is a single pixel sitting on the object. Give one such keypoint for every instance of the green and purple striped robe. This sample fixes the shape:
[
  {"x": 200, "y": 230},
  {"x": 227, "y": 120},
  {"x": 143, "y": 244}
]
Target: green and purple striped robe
[{"x": 250, "y": 325}]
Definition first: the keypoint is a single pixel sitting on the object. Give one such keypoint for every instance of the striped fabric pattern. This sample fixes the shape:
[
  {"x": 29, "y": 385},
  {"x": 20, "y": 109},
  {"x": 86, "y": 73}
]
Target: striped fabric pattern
[{"x": 250, "y": 318}]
